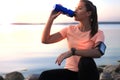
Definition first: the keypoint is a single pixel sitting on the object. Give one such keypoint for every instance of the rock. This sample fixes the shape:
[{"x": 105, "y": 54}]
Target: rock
[
  {"x": 110, "y": 68},
  {"x": 14, "y": 76},
  {"x": 116, "y": 76},
  {"x": 100, "y": 70},
  {"x": 1, "y": 78},
  {"x": 33, "y": 77},
  {"x": 107, "y": 72},
  {"x": 105, "y": 76},
  {"x": 110, "y": 72},
  {"x": 102, "y": 66},
  {"x": 118, "y": 60},
  {"x": 118, "y": 69}
]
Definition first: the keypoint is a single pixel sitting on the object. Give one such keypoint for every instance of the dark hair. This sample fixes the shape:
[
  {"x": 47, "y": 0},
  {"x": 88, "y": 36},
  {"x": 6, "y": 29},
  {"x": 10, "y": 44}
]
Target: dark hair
[{"x": 94, "y": 19}]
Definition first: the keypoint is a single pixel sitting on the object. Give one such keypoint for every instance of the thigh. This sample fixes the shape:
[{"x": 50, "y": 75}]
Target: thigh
[
  {"x": 88, "y": 69},
  {"x": 58, "y": 74}
]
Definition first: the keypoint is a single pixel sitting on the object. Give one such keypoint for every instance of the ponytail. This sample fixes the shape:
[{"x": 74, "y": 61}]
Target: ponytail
[{"x": 94, "y": 19}]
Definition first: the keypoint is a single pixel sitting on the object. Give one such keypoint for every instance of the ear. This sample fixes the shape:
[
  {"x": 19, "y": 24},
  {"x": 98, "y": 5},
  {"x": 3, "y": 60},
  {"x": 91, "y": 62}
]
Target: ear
[{"x": 89, "y": 13}]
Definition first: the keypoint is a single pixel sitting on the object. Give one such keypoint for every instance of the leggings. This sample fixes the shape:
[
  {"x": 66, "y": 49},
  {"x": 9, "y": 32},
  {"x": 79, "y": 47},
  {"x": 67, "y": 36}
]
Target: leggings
[{"x": 87, "y": 71}]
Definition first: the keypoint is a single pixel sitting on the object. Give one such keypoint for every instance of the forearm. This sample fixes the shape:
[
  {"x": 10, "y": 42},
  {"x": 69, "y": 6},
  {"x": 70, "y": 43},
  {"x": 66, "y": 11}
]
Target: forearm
[
  {"x": 94, "y": 53},
  {"x": 46, "y": 37},
  {"x": 46, "y": 32}
]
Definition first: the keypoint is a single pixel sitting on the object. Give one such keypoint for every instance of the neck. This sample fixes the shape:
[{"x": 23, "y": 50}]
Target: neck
[{"x": 84, "y": 26}]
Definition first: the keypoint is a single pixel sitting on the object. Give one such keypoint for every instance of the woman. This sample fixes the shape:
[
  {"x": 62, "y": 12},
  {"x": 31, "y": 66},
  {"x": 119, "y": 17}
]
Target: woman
[{"x": 83, "y": 40}]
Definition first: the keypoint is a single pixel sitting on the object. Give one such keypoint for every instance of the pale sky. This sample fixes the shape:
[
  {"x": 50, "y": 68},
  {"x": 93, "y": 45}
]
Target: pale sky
[
  {"x": 19, "y": 42},
  {"x": 16, "y": 40},
  {"x": 37, "y": 11}
]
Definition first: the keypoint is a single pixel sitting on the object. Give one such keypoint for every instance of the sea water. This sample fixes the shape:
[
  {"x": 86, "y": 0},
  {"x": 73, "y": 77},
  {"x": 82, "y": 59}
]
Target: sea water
[{"x": 21, "y": 48}]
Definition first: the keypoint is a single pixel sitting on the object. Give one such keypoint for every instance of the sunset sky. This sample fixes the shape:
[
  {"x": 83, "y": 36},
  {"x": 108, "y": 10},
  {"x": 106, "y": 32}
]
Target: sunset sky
[
  {"x": 37, "y": 11},
  {"x": 25, "y": 41}
]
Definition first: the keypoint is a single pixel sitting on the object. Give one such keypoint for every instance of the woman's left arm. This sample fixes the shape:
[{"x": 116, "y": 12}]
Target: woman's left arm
[{"x": 94, "y": 53}]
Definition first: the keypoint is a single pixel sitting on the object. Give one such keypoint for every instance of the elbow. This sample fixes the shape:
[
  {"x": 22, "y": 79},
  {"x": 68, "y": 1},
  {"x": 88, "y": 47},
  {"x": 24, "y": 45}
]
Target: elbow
[
  {"x": 44, "y": 41},
  {"x": 99, "y": 55}
]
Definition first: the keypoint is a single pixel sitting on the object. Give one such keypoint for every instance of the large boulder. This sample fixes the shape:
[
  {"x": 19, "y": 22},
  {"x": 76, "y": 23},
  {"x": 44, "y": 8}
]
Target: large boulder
[
  {"x": 1, "y": 78},
  {"x": 110, "y": 72},
  {"x": 105, "y": 76},
  {"x": 110, "y": 68},
  {"x": 14, "y": 76}
]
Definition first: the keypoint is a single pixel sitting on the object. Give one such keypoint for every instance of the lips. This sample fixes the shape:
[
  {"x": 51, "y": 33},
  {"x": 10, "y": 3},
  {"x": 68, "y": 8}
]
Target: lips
[{"x": 75, "y": 14}]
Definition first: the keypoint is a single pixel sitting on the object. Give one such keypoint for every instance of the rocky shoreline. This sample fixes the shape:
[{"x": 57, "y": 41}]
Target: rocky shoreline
[{"x": 107, "y": 72}]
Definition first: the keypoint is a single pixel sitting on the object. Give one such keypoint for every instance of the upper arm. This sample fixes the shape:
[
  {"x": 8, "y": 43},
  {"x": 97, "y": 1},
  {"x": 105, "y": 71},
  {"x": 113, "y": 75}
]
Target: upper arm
[
  {"x": 57, "y": 36},
  {"x": 101, "y": 47},
  {"x": 99, "y": 39},
  {"x": 54, "y": 38}
]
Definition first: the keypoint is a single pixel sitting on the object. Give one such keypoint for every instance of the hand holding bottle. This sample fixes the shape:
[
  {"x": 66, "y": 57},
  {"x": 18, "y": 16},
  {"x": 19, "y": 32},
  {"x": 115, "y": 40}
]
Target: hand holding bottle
[{"x": 60, "y": 8}]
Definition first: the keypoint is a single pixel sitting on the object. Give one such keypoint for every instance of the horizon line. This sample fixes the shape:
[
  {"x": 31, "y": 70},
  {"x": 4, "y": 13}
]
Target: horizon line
[{"x": 64, "y": 23}]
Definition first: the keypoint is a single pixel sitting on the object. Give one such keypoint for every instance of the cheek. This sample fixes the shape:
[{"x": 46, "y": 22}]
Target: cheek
[
  {"x": 81, "y": 14},
  {"x": 79, "y": 17}
]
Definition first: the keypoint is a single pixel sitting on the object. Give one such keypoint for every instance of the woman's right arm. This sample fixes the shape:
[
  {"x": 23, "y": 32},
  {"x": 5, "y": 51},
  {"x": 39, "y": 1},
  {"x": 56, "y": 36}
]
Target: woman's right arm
[{"x": 46, "y": 37}]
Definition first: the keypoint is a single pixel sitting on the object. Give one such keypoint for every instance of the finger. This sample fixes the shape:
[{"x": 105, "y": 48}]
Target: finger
[
  {"x": 58, "y": 61},
  {"x": 58, "y": 13}
]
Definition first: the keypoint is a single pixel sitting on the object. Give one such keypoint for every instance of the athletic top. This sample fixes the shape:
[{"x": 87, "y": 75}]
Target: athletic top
[{"x": 79, "y": 40}]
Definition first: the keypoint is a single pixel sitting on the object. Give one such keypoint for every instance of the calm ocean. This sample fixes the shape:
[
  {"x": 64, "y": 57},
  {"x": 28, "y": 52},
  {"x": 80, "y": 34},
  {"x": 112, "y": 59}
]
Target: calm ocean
[{"x": 21, "y": 48}]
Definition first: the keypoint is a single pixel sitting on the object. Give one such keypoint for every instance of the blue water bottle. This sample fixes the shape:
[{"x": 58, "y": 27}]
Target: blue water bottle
[{"x": 60, "y": 8}]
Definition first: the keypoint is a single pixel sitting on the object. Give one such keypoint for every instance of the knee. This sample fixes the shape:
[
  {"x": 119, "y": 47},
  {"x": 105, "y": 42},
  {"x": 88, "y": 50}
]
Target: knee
[{"x": 43, "y": 75}]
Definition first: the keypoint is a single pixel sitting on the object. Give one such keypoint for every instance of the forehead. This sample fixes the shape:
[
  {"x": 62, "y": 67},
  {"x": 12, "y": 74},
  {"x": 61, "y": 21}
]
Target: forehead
[{"x": 81, "y": 4}]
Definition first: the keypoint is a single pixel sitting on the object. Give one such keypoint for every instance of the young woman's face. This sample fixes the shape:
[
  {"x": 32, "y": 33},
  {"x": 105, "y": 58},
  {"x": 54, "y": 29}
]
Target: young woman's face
[{"x": 81, "y": 12}]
